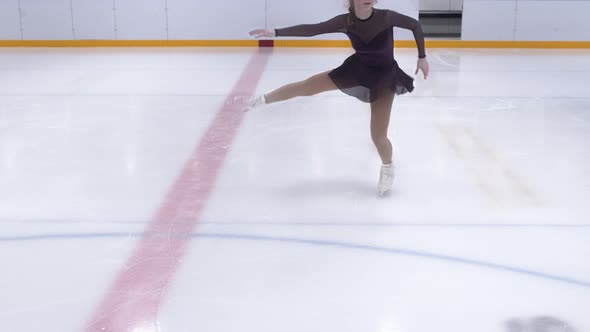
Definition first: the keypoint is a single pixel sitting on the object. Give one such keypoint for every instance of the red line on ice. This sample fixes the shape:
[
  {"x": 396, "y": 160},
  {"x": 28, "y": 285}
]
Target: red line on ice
[{"x": 134, "y": 298}]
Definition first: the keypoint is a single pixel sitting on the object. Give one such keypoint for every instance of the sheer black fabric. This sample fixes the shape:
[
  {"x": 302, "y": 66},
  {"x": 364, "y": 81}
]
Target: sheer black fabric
[{"x": 372, "y": 70}]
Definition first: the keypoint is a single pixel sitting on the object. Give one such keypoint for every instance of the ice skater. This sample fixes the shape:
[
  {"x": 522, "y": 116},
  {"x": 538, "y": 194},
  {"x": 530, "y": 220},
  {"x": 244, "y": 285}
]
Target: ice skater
[{"x": 371, "y": 74}]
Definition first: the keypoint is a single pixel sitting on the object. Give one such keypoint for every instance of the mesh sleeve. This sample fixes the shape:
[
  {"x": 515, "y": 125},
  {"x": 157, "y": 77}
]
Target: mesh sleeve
[
  {"x": 336, "y": 24},
  {"x": 406, "y": 22}
]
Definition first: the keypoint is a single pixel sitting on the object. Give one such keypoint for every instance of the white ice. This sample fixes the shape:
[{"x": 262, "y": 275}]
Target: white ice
[{"x": 487, "y": 228}]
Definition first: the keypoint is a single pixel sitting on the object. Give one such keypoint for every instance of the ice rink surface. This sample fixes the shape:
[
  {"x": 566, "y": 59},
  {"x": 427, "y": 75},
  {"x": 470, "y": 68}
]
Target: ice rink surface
[{"x": 136, "y": 196}]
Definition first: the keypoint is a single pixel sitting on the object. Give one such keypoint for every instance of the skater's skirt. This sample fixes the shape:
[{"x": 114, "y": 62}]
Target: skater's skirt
[{"x": 367, "y": 82}]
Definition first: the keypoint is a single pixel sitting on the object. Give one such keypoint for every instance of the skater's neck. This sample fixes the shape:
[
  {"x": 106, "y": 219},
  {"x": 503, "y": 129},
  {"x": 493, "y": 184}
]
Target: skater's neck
[{"x": 364, "y": 14}]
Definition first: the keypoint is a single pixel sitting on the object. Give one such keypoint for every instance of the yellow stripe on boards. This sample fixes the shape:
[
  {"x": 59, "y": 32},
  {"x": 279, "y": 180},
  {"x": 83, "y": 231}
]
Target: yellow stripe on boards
[
  {"x": 312, "y": 43},
  {"x": 128, "y": 43},
  {"x": 504, "y": 44}
]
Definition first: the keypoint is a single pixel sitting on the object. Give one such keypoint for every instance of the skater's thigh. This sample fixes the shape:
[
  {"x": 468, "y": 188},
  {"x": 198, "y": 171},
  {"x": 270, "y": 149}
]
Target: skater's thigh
[
  {"x": 319, "y": 83},
  {"x": 380, "y": 115}
]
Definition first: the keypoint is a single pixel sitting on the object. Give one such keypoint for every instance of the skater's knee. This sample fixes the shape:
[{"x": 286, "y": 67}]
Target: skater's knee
[
  {"x": 379, "y": 139},
  {"x": 378, "y": 135}
]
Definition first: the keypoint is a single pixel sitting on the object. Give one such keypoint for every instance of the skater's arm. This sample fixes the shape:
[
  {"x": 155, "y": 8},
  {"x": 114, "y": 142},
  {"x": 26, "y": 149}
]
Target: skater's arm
[
  {"x": 336, "y": 24},
  {"x": 406, "y": 22}
]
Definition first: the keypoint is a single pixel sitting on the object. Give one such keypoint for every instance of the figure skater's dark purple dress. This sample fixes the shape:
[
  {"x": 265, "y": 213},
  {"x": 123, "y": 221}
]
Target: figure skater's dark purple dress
[{"x": 372, "y": 69}]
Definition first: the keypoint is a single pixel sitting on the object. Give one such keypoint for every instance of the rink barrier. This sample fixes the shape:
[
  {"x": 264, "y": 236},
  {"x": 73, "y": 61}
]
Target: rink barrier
[{"x": 313, "y": 43}]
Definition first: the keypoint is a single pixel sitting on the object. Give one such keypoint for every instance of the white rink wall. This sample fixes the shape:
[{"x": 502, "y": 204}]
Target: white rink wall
[
  {"x": 231, "y": 19},
  {"x": 441, "y": 5},
  {"x": 536, "y": 20}
]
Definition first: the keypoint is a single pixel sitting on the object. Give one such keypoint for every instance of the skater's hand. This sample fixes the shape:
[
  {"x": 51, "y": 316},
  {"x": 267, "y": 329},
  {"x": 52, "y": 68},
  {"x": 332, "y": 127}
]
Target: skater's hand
[
  {"x": 260, "y": 33},
  {"x": 423, "y": 66}
]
